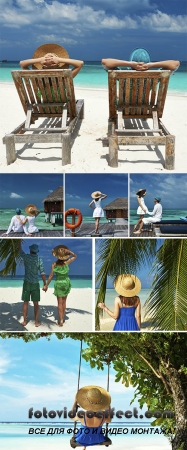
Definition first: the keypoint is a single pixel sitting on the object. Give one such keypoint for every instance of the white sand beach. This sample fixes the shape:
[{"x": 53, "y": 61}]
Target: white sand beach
[
  {"x": 78, "y": 315},
  {"x": 88, "y": 153}
]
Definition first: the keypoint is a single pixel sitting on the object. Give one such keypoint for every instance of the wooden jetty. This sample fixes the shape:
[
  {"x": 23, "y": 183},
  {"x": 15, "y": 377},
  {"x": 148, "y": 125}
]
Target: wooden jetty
[
  {"x": 105, "y": 229},
  {"x": 144, "y": 233},
  {"x": 41, "y": 233}
]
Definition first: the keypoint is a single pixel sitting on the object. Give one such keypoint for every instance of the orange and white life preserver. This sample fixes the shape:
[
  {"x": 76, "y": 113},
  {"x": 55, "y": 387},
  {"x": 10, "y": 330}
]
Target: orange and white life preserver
[{"x": 77, "y": 213}]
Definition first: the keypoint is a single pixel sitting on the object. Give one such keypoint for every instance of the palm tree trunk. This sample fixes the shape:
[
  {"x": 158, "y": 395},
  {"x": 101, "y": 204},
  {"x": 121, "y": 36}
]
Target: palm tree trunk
[{"x": 180, "y": 404}]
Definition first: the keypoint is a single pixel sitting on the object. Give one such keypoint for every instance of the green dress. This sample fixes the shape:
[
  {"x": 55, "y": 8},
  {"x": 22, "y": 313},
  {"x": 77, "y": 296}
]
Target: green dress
[{"x": 62, "y": 285}]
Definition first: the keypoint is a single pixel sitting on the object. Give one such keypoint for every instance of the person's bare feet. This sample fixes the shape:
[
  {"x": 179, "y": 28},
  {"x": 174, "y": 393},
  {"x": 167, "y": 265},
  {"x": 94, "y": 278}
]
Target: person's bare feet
[
  {"x": 24, "y": 323},
  {"x": 37, "y": 324},
  {"x": 137, "y": 232},
  {"x": 60, "y": 323}
]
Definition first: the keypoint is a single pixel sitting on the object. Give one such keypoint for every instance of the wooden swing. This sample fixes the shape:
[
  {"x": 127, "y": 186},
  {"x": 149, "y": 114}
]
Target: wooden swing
[{"x": 108, "y": 441}]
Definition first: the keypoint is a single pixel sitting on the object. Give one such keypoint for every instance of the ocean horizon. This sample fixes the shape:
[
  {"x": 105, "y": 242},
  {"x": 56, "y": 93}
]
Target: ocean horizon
[
  {"x": 6, "y": 215},
  {"x": 93, "y": 76},
  {"x": 77, "y": 281}
]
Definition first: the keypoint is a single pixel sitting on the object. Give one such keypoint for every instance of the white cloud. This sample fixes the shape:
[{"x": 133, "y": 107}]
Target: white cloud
[
  {"x": 14, "y": 195},
  {"x": 159, "y": 21},
  {"x": 81, "y": 18}
]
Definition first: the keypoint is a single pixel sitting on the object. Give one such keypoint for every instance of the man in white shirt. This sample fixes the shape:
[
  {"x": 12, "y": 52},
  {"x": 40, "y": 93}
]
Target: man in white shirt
[
  {"x": 156, "y": 215},
  {"x": 15, "y": 224}
]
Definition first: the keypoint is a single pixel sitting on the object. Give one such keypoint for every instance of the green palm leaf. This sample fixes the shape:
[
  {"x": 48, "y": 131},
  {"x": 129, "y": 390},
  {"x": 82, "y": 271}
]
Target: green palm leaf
[
  {"x": 167, "y": 303},
  {"x": 118, "y": 256},
  {"x": 9, "y": 252}
]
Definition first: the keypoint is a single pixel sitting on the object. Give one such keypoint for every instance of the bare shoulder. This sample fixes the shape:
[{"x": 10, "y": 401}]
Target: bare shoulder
[{"x": 117, "y": 300}]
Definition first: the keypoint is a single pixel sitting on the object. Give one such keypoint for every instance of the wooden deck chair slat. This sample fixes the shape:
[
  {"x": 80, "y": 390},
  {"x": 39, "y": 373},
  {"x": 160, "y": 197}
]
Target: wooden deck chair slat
[
  {"x": 134, "y": 88},
  {"x": 21, "y": 92},
  {"x": 162, "y": 95},
  {"x": 30, "y": 93},
  {"x": 62, "y": 89},
  {"x": 127, "y": 95},
  {"x": 154, "y": 90},
  {"x": 147, "y": 86},
  {"x": 71, "y": 97},
  {"x": 112, "y": 95},
  {"x": 56, "y": 94},
  {"x": 139, "y": 96},
  {"x": 42, "y": 108},
  {"x": 49, "y": 95},
  {"x": 121, "y": 93}
]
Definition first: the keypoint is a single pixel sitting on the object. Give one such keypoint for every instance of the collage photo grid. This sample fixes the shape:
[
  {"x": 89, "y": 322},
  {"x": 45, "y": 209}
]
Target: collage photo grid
[{"x": 93, "y": 225}]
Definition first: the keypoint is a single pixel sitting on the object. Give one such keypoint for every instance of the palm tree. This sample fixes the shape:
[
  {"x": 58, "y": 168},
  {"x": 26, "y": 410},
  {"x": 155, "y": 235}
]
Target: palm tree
[
  {"x": 119, "y": 256},
  {"x": 9, "y": 251},
  {"x": 167, "y": 303}
]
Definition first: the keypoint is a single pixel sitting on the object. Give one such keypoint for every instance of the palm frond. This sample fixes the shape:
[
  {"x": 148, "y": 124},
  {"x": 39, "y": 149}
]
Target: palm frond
[
  {"x": 167, "y": 303},
  {"x": 9, "y": 252}
]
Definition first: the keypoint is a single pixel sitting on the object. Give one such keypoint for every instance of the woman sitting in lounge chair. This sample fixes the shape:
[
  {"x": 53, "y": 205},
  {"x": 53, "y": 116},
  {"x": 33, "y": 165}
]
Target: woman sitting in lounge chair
[
  {"x": 52, "y": 56},
  {"x": 140, "y": 60}
]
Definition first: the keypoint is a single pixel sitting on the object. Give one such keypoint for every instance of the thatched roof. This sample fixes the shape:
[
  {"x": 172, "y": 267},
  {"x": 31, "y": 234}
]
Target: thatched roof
[
  {"x": 118, "y": 203},
  {"x": 55, "y": 196}
]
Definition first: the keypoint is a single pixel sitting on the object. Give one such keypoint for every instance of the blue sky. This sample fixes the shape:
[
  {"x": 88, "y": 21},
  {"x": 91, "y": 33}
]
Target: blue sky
[
  {"x": 142, "y": 273},
  {"x": 45, "y": 373},
  {"x": 172, "y": 188},
  {"x": 91, "y": 30},
  {"x": 81, "y": 247},
  {"x": 80, "y": 186},
  {"x": 18, "y": 190}
]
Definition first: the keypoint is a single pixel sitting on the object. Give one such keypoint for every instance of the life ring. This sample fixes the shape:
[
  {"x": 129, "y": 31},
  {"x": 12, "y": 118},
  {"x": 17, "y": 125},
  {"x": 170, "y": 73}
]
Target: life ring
[{"x": 77, "y": 213}]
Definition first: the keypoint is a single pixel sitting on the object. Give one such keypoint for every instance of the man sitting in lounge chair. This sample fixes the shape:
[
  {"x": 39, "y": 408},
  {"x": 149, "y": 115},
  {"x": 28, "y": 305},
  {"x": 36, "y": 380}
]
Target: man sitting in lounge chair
[
  {"x": 52, "y": 56},
  {"x": 140, "y": 60},
  {"x": 156, "y": 215}
]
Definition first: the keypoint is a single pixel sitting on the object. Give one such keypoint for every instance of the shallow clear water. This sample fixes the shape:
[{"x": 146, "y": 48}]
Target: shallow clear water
[
  {"x": 93, "y": 76},
  {"x": 167, "y": 214}
]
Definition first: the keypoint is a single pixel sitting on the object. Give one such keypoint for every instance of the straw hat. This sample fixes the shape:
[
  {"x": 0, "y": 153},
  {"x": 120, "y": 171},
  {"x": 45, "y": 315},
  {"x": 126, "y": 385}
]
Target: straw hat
[
  {"x": 56, "y": 49},
  {"x": 96, "y": 194},
  {"x": 31, "y": 210},
  {"x": 93, "y": 398},
  {"x": 127, "y": 285},
  {"x": 141, "y": 191},
  {"x": 61, "y": 252}
]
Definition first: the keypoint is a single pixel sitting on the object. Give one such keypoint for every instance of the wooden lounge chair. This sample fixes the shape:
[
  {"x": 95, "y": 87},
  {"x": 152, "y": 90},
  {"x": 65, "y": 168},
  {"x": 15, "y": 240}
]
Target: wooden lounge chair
[
  {"x": 138, "y": 96},
  {"x": 45, "y": 94}
]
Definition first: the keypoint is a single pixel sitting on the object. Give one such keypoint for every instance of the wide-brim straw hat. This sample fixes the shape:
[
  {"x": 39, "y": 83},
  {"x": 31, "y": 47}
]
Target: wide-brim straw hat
[
  {"x": 31, "y": 210},
  {"x": 141, "y": 191},
  {"x": 96, "y": 194},
  {"x": 127, "y": 285},
  {"x": 56, "y": 49},
  {"x": 93, "y": 398},
  {"x": 61, "y": 252}
]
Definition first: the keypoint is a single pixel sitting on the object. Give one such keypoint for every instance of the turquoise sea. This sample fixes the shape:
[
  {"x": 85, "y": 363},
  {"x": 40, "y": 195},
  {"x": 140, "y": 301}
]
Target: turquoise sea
[
  {"x": 94, "y": 76},
  {"x": 7, "y": 214},
  {"x": 167, "y": 214},
  {"x": 16, "y": 436},
  {"x": 77, "y": 281}
]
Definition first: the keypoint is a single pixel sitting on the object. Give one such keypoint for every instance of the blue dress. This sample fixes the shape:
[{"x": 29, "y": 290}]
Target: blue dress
[
  {"x": 86, "y": 437},
  {"x": 126, "y": 320}
]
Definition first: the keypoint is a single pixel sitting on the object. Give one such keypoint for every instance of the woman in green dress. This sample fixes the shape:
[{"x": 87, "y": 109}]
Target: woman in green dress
[{"x": 62, "y": 285}]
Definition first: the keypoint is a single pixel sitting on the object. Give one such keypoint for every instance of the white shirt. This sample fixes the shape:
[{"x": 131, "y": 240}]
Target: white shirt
[
  {"x": 16, "y": 226},
  {"x": 157, "y": 212}
]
